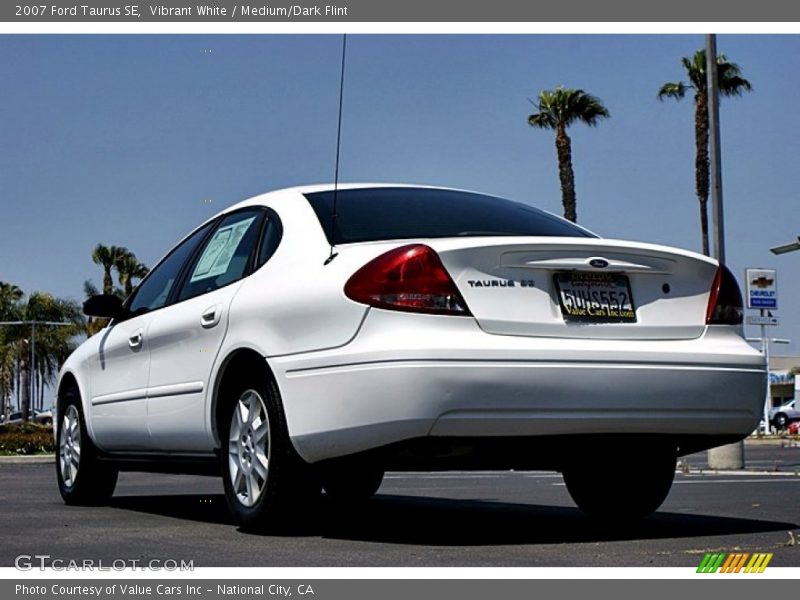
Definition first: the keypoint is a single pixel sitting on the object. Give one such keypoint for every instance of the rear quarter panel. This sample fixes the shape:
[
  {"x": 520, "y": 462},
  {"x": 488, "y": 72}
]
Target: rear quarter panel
[{"x": 295, "y": 302}]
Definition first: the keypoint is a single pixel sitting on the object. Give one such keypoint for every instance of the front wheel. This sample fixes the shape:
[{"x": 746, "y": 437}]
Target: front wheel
[
  {"x": 781, "y": 421},
  {"x": 82, "y": 478},
  {"x": 262, "y": 474},
  {"x": 606, "y": 490}
]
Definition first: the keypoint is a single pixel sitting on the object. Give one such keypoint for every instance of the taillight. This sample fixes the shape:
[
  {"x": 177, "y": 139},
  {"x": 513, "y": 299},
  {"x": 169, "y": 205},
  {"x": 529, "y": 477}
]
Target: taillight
[
  {"x": 410, "y": 278},
  {"x": 725, "y": 302}
]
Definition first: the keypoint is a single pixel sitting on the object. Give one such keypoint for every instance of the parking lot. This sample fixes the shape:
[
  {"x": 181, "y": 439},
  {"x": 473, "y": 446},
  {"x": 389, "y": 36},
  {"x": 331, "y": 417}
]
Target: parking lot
[{"x": 425, "y": 519}]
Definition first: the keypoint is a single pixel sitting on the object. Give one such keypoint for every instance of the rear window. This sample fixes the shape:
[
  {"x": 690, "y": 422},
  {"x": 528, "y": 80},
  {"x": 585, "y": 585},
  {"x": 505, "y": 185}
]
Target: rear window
[{"x": 372, "y": 214}]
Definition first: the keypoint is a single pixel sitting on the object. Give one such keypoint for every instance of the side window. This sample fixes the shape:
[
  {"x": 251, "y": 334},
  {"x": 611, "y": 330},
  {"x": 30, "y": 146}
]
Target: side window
[
  {"x": 154, "y": 291},
  {"x": 225, "y": 256},
  {"x": 269, "y": 240}
]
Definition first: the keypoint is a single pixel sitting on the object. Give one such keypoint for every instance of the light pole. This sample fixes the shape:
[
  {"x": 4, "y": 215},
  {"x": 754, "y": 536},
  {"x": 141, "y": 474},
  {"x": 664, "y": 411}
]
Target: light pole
[
  {"x": 782, "y": 249},
  {"x": 714, "y": 147},
  {"x": 730, "y": 456}
]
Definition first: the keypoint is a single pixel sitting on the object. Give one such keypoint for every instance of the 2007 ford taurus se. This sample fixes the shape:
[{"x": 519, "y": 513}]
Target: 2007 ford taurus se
[{"x": 311, "y": 339}]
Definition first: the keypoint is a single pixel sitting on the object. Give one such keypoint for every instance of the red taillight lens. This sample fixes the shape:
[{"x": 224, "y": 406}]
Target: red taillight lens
[
  {"x": 410, "y": 278},
  {"x": 725, "y": 302}
]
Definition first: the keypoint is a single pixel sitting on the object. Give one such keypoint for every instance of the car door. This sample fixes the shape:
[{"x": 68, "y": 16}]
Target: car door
[
  {"x": 118, "y": 375},
  {"x": 119, "y": 369},
  {"x": 185, "y": 337}
]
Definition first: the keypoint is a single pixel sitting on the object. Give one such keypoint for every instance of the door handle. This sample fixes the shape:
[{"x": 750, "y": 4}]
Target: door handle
[
  {"x": 135, "y": 341},
  {"x": 211, "y": 316}
]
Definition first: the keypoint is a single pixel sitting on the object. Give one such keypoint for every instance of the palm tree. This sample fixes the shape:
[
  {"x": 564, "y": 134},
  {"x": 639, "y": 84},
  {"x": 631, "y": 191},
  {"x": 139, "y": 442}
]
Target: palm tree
[
  {"x": 7, "y": 363},
  {"x": 10, "y": 294},
  {"x": 129, "y": 268},
  {"x": 107, "y": 256},
  {"x": 53, "y": 344},
  {"x": 558, "y": 109},
  {"x": 730, "y": 83},
  {"x": 10, "y": 297}
]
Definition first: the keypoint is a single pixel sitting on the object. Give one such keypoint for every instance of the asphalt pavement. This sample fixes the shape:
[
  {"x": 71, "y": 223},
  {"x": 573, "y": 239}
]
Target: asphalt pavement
[{"x": 417, "y": 519}]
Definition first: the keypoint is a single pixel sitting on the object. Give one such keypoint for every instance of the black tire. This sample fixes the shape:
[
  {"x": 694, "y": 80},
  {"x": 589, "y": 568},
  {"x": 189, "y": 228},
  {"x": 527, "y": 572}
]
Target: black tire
[
  {"x": 606, "y": 489},
  {"x": 351, "y": 481},
  {"x": 284, "y": 483},
  {"x": 781, "y": 421},
  {"x": 83, "y": 479}
]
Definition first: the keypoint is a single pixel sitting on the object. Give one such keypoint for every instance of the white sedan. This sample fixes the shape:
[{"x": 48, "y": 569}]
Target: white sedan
[{"x": 313, "y": 338}]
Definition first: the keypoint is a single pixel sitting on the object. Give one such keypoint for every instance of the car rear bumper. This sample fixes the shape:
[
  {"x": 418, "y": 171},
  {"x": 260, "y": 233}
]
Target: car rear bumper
[{"x": 411, "y": 376}]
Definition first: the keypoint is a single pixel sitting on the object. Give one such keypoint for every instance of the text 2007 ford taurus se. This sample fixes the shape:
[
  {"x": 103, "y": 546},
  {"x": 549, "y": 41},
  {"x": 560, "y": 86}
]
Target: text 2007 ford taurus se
[{"x": 294, "y": 345}]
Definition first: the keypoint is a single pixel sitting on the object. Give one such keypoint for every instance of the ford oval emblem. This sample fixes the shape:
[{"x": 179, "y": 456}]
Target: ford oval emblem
[{"x": 598, "y": 263}]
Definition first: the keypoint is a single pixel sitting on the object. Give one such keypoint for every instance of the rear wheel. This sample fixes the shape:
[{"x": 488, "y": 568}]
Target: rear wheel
[
  {"x": 264, "y": 478},
  {"x": 82, "y": 478},
  {"x": 621, "y": 492}
]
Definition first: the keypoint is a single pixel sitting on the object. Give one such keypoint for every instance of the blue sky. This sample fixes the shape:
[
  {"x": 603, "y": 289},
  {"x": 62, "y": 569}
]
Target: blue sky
[{"x": 133, "y": 140}]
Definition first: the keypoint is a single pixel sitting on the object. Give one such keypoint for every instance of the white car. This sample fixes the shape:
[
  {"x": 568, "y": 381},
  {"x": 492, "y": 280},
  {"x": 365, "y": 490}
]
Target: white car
[
  {"x": 44, "y": 417},
  {"x": 313, "y": 338},
  {"x": 782, "y": 416}
]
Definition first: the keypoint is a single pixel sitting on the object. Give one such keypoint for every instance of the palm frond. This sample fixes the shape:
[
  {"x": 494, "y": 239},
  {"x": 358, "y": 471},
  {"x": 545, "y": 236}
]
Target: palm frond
[
  {"x": 542, "y": 121},
  {"x": 730, "y": 80},
  {"x": 564, "y": 106},
  {"x": 673, "y": 89}
]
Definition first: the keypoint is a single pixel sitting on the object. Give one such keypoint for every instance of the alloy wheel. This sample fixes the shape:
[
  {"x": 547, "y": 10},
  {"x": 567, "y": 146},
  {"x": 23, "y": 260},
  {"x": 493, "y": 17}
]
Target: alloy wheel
[
  {"x": 249, "y": 448},
  {"x": 69, "y": 445}
]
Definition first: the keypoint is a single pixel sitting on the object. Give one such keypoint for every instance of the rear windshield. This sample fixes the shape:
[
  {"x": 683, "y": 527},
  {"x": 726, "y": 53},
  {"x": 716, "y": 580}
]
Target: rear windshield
[{"x": 372, "y": 214}]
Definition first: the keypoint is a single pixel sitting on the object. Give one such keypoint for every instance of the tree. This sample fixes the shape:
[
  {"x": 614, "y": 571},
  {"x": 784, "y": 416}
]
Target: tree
[
  {"x": 107, "y": 257},
  {"x": 22, "y": 362},
  {"x": 10, "y": 297},
  {"x": 129, "y": 268},
  {"x": 7, "y": 363},
  {"x": 558, "y": 109},
  {"x": 730, "y": 83},
  {"x": 53, "y": 343}
]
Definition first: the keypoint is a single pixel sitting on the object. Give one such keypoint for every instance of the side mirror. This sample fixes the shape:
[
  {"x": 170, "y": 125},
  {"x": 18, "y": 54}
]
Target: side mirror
[{"x": 106, "y": 306}]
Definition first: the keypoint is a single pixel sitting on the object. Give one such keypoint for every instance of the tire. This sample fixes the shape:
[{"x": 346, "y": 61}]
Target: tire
[
  {"x": 265, "y": 480},
  {"x": 781, "y": 421},
  {"x": 83, "y": 480},
  {"x": 621, "y": 493},
  {"x": 351, "y": 481}
]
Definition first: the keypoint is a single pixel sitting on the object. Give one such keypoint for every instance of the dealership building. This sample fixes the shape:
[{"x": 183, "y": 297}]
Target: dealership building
[{"x": 784, "y": 378}]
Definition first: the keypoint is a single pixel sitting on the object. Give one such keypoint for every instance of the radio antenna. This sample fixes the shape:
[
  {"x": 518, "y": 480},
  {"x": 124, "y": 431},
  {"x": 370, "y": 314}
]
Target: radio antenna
[{"x": 338, "y": 146}]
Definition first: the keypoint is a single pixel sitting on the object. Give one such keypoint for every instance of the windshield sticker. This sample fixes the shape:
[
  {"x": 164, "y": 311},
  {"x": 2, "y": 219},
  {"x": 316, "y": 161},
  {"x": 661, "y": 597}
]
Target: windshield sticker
[{"x": 220, "y": 250}]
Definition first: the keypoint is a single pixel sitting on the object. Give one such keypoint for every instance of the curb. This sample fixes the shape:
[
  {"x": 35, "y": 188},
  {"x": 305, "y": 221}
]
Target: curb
[
  {"x": 743, "y": 473},
  {"x": 776, "y": 441},
  {"x": 33, "y": 459}
]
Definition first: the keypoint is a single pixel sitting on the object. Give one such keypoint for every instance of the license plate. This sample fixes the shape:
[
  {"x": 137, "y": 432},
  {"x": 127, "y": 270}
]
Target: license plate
[{"x": 595, "y": 297}]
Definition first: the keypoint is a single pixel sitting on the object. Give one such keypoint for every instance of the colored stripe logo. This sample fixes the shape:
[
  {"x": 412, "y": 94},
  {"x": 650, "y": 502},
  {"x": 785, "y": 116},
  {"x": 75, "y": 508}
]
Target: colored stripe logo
[{"x": 741, "y": 562}]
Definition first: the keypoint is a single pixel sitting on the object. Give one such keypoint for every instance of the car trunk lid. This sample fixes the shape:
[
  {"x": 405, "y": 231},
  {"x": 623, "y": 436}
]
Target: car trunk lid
[{"x": 579, "y": 287}]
